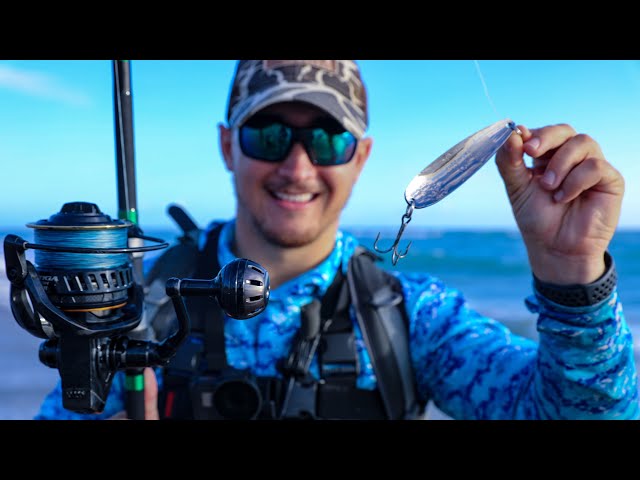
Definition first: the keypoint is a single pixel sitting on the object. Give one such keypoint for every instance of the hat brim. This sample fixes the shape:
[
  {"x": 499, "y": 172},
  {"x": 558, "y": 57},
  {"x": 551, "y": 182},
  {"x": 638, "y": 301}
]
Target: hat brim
[{"x": 342, "y": 109}]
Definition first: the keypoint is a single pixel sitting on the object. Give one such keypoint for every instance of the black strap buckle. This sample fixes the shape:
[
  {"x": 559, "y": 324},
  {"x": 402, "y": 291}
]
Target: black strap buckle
[
  {"x": 300, "y": 400},
  {"x": 297, "y": 363}
]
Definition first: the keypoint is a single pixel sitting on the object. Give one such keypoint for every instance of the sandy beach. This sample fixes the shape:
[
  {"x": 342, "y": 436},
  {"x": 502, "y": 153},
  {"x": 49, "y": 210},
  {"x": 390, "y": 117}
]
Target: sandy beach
[{"x": 24, "y": 381}]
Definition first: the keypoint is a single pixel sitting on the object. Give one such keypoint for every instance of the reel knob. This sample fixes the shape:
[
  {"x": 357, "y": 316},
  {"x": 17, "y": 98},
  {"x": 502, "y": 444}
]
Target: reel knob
[
  {"x": 244, "y": 288},
  {"x": 241, "y": 288}
]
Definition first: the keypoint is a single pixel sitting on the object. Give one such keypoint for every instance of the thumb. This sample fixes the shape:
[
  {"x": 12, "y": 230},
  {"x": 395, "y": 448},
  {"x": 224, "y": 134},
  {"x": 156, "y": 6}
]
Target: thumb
[
  {"x": 150, "y": 395},
  {"x": 510, "y": 161}
]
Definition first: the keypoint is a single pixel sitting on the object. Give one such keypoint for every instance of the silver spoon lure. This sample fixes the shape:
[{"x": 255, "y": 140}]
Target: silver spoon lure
[{"x": 448, "y": 172}]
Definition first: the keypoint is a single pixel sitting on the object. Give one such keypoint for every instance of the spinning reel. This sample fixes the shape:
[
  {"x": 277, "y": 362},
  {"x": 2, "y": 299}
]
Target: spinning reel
[{"x": 81, "y": 297}]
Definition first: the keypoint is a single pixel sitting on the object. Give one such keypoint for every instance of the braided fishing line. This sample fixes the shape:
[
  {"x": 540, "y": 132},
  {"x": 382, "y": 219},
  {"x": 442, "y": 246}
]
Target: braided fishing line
[{"x": 87, "y": 238}]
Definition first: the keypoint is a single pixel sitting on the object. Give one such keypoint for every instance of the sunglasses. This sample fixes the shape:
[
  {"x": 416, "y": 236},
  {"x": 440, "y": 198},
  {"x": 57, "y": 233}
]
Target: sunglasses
[{"x": 269, "y": 139}]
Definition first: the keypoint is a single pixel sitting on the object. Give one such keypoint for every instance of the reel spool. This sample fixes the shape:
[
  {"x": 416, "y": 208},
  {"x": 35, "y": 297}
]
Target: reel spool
[{"x": 80, "y": 282}]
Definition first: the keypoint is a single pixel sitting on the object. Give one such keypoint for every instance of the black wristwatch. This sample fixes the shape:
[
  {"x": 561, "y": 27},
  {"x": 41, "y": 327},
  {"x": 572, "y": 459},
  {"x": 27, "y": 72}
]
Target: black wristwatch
[{"x": 581, "y": 295}]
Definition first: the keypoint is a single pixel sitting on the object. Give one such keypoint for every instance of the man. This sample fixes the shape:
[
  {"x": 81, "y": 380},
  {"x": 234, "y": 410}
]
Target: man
[{"x": 295, "y": 144}]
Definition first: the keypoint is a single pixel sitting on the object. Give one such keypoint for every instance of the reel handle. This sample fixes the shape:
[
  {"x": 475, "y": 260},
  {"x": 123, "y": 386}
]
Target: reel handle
[{"x": 241, "y": 288}]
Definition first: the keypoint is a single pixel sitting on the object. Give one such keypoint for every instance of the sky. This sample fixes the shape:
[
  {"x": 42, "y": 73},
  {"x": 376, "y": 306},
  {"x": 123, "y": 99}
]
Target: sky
[{"x": 57, "y": 134}]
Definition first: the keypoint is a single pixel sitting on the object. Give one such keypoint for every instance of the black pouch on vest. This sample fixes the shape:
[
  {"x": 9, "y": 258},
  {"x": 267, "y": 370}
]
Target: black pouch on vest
[{"x": 231, "y": 395}]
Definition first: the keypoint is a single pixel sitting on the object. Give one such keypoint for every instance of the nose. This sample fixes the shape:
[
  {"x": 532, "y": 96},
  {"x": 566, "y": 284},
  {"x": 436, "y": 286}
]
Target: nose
[{"x": 297, "y": 166}]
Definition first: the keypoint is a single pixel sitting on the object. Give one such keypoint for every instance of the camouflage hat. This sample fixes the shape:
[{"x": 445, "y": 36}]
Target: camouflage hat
[{"x": 335, "y": 86}]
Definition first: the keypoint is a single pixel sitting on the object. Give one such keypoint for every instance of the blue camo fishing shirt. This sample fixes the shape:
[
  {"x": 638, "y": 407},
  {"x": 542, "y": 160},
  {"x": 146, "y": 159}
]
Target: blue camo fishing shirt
[{"x": 471, "y": 366}]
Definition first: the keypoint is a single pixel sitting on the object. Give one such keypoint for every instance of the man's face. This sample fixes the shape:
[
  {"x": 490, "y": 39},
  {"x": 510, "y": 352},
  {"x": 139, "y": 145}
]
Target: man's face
[{"x": 293, "y": 202}]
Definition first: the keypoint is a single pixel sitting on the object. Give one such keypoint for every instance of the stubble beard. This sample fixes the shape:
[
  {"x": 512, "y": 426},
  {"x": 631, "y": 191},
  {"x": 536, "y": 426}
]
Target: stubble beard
[{"x": 285, "y": 238}]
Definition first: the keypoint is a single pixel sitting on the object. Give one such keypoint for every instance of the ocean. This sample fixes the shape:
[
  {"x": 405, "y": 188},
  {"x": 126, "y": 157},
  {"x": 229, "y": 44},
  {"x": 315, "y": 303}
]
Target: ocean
[{"x": 489, "y": 267}]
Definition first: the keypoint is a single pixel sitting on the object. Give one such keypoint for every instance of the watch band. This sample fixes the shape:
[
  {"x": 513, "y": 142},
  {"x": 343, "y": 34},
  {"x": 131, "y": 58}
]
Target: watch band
[{"x": 581, "y": 295}]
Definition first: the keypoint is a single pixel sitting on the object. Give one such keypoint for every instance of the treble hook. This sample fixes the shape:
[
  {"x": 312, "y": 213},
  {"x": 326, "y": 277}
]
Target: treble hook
[{"x": 406, "y": 218}]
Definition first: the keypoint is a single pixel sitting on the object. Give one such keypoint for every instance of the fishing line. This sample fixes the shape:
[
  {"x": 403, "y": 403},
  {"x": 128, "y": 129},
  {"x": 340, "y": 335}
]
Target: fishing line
[
  {"x": 88, "y": 238},
  {"x": 486, "y": 89}
]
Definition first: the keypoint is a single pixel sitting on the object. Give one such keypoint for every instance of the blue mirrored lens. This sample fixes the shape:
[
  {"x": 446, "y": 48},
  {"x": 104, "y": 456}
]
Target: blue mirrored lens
[{"x": 272, "y": 143}]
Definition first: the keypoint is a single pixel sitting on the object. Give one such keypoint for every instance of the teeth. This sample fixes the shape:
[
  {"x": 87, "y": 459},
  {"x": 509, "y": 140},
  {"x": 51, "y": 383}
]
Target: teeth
[{"x": 300, "y": 197}]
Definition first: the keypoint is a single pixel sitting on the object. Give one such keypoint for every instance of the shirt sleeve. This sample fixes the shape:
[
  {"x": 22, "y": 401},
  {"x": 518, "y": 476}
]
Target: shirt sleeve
[{"x": 473, "y": 367}]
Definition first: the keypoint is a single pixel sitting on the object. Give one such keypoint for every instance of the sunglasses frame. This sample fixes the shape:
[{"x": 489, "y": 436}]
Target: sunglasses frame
[{"x": 300, "y": 135}]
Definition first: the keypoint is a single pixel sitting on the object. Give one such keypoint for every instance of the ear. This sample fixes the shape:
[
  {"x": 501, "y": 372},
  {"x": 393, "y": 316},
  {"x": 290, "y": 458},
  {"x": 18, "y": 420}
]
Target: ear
[
  {"x": 226, "y": 145},
  {"x": 362, "y": 155}
]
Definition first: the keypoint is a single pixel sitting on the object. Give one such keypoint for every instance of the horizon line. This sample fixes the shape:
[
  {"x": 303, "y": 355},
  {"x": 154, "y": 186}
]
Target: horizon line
[{"x": 381, "y": 227}]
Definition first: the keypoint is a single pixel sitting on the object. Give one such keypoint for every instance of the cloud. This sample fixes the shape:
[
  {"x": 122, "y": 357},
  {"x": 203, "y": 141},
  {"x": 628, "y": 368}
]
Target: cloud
[{"x": 38, "y": 84}]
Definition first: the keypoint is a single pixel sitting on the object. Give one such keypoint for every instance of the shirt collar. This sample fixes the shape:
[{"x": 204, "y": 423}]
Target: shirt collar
[{"x": 313, "y": 283}]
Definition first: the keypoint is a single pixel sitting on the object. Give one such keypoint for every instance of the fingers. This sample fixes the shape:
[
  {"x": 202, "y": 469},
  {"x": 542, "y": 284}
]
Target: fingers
[
  {"x": 587, "y": 174},
  {"x": 511, "y": 153},
  {"x": 575, "y": 151},
  {"x": 568, "y": 163},
  {"x": 544, "y": 144},
  {"x": 525, "y": 133},
  {"x": 150, "y": 395},
  {"x": 544, "y": 140},
  {"x": 509, "y": 160},
  {"x": 564, "y": 162}
]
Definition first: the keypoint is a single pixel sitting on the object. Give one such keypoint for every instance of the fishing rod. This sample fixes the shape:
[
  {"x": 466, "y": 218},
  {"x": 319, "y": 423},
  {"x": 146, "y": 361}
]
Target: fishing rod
[
  {"x": 127, "y": 204},
  {"x": 242, "y": 290}
]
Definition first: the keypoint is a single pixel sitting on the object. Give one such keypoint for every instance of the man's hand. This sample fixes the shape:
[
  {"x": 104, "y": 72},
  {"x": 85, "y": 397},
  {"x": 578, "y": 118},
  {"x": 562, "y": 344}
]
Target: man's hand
[
  {"x": 150, "y": 398},
  {"x": 567, "y": 205}
]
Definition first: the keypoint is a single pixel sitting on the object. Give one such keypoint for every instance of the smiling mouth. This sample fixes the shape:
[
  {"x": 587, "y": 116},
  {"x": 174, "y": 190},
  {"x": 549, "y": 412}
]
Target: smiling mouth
[{"x": 294, "y": 197}]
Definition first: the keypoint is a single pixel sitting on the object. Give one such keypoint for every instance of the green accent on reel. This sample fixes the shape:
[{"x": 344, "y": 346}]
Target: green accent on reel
[
  {"x": 134, "y": 383},
  {"x": 131, "y": 215}
]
